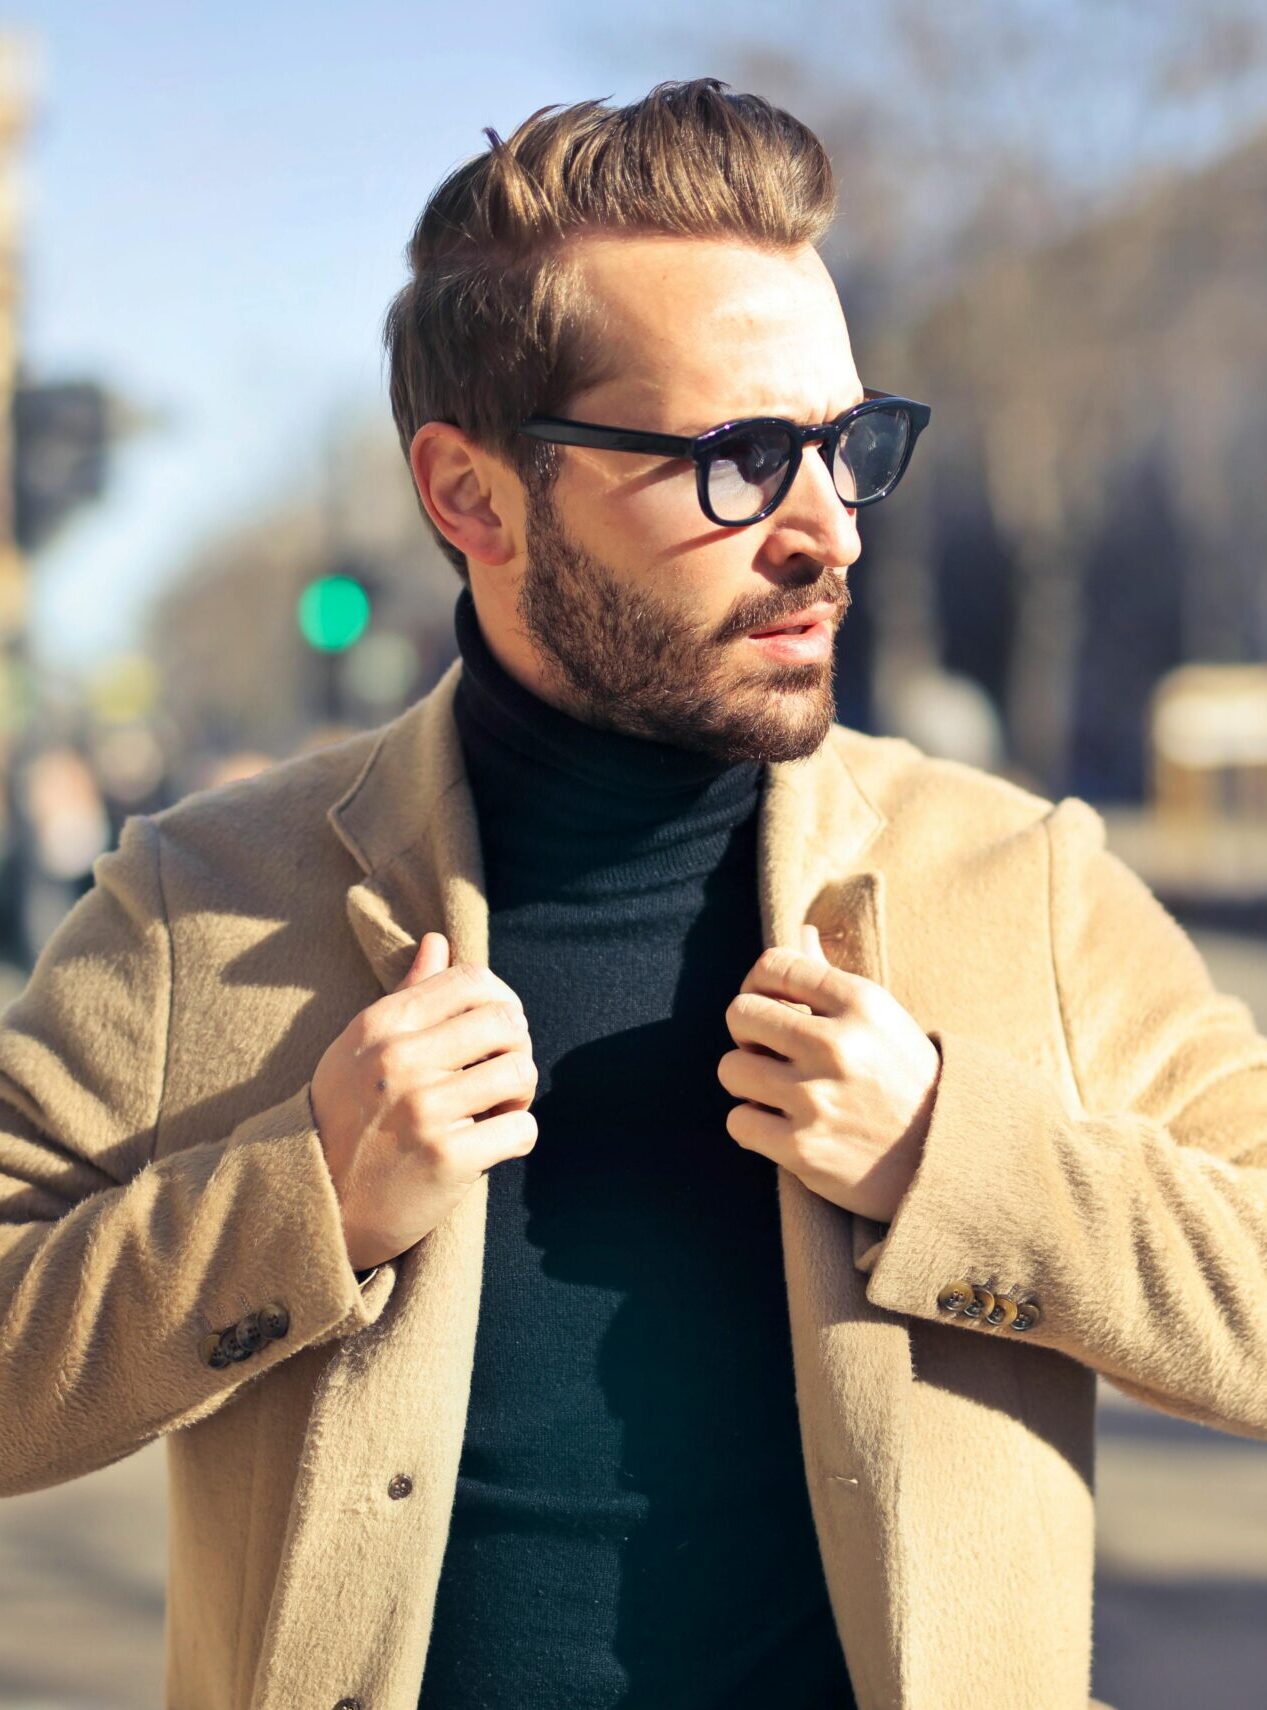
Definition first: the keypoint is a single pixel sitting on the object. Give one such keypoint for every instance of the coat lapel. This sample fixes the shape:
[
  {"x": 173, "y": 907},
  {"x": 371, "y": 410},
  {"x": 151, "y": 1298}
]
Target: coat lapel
[
  {"x": 409, "y": 820},
  {"x": 852, "y": 1359}
]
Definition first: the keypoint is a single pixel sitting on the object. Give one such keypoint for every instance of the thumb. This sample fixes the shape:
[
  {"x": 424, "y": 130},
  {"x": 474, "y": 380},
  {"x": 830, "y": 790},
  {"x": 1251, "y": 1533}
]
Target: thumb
[
  {"x": 811, "y": 943},
  {"x": 431, "y": 957}
]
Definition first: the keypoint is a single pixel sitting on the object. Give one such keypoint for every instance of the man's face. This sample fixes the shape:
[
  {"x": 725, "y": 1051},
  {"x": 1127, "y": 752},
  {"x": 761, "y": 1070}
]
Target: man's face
[{"x": 636, "y": 606}]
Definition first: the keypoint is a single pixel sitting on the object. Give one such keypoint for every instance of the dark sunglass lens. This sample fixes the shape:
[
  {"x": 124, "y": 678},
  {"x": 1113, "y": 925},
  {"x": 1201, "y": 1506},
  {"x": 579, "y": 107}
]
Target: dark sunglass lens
[
  {"x": 746, "y": 470},
  {"x": 870, "y": 454}
]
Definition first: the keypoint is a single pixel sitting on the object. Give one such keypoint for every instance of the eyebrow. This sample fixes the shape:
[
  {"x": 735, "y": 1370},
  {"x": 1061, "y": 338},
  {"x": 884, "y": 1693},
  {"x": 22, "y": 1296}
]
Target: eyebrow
[{"x": 860, "y": 399}]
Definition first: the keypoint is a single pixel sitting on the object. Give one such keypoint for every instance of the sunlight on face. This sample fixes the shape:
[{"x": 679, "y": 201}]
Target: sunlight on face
[{"x": 636, "y": 605}]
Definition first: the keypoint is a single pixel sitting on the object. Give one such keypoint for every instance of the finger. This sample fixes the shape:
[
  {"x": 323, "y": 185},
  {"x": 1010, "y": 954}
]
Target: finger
[
  {"x": 797, "y": 978},
  {"x": 760, "y": 1079},
  {"x": 761, "y": 1131},
  {"x": 498, "y": 1084},
  {"x": 811, "y": 943},
  {"x": 756, "y": 1020},
  {"x": 429, "y": 999},
  {"x": 431, "y": 957},
  {"x": 457, "y": 1042}
]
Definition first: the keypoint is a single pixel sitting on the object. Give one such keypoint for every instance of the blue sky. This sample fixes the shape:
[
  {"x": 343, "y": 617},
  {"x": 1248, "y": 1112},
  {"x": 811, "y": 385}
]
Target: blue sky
[
  {"x": 217, "y": 199},
  {"x": 217, "y": 203}
]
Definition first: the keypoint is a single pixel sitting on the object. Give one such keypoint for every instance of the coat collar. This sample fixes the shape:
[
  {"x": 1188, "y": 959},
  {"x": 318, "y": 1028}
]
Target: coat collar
[{"x": 409, "y": 820}]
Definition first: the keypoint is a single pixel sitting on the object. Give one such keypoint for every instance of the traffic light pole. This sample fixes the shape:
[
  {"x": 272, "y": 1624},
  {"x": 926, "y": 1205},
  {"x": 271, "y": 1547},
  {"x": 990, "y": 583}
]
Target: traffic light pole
[{"x": 18, "y": 69}]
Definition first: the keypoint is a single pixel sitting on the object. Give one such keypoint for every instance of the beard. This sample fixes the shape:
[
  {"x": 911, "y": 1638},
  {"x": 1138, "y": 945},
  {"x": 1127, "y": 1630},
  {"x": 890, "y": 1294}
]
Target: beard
[{"x": 616, "y": 657}]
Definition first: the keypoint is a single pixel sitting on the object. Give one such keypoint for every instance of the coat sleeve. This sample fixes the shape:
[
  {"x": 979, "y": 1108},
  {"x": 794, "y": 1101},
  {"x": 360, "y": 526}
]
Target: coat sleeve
[
  {"x": 116, "y": 1267},
  {"x": 1136, "y": 1225}
]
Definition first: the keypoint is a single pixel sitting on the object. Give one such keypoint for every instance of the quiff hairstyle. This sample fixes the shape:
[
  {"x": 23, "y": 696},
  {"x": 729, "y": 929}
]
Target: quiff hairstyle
[{"x": 494, "y": 325}]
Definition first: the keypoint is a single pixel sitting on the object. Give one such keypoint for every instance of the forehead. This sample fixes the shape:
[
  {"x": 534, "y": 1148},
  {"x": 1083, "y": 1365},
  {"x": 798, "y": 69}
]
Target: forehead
[{"x": 694, "y": 330}]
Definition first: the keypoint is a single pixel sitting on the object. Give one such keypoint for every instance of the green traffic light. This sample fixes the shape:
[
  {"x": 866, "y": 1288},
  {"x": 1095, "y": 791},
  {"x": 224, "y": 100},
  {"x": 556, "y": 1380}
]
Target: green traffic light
[{"x": 334, "y": 612}]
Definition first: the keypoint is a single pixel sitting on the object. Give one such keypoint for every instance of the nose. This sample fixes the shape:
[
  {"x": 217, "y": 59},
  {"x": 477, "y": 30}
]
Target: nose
[{"x": 813, "y": 519}]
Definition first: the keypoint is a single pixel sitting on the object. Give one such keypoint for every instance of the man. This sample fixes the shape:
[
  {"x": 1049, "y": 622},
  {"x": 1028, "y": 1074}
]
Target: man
[{"x": 702, "y": 1310}]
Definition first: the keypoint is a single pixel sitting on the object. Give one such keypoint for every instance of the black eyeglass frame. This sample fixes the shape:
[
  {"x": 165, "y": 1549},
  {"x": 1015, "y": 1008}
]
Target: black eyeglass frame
[{"x": 561, "y": 430}]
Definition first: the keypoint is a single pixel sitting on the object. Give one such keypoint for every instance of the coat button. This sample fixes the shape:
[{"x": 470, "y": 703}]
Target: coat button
[
  {"x": 401, "y": 1485},
  {"x": 232, "y": 1347},
  {"x": 953, "y": 1296},
  {"x": 249, "y": 1332},
  {"x": 982, "y": 1301},
  {"x": 348, "y": 1704},
  {"x": 1002, "y": 1312},
  {"x": 212, "y": 1353},
  {"x": 274, "y": 1319},
  {"x": 1028, "y": 1312}
]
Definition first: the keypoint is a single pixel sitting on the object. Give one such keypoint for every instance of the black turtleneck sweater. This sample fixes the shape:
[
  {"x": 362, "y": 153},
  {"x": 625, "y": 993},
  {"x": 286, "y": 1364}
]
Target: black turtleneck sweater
[{"x": 632, "y": 1525}]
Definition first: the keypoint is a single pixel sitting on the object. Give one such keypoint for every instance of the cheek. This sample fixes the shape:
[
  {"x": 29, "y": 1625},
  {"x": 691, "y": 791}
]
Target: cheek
[
  {"x": 660, "y": 508},
  {"x": 649, "y": 524},
  {"x": 603, "y": 493},
  {"x": 658, "y": 524},
  {"x": 644, "y": 518}
]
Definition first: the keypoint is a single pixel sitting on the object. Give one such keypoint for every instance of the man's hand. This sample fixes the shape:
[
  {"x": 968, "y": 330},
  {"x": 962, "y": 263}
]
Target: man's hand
[
  {"x": 421, "y": 1094},
  {"x": 839, "y": 1081}
]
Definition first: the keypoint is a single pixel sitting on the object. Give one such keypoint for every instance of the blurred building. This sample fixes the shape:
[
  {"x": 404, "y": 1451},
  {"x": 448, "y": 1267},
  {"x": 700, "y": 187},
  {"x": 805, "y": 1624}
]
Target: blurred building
[{"x": 1087, "y": 512}]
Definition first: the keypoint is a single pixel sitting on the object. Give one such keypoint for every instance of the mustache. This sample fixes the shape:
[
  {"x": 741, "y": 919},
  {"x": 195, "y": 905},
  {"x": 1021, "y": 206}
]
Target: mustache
[{"x": 840, "y": 597}]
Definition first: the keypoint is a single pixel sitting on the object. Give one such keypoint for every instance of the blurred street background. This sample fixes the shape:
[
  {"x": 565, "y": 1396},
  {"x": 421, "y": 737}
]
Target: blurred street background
[{"x": 1053, "y": 229}]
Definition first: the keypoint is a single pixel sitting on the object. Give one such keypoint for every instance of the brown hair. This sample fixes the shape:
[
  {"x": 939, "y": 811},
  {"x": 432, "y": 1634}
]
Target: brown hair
[{"x": 493, "y": 325}]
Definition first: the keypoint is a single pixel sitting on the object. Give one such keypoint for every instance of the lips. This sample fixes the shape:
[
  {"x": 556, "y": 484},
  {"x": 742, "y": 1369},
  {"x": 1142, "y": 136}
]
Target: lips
[
  {"x": 799, "y": 620},
  {"x": 811, "y": 645}
]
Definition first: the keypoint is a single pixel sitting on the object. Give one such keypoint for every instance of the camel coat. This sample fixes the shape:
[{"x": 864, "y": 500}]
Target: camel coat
[{"x": 1098, "y": 1148}]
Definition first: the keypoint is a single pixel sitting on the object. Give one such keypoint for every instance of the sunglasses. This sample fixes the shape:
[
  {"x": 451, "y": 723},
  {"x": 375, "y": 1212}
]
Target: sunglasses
[{"x": 744, "y": 469}]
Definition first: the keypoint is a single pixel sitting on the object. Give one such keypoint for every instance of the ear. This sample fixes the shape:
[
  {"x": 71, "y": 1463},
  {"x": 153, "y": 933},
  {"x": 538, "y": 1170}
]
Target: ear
[{"x": 472, "y": 497}]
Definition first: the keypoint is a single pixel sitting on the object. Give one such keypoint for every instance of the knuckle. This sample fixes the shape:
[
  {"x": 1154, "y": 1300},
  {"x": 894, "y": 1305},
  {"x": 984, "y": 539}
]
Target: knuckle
[
  {"x": 383, "y": 1058},
  {"x": 362, "y": 1032},
  {"x": 809, "y": 1154},
  {"x": 835, "y": 1039},
  {"x": 432, "y": 1150},
  {"x": 420, "y": 1104},
  {"x": 432, "y": 1147},
  {"x": 523, "y": 1068}
]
